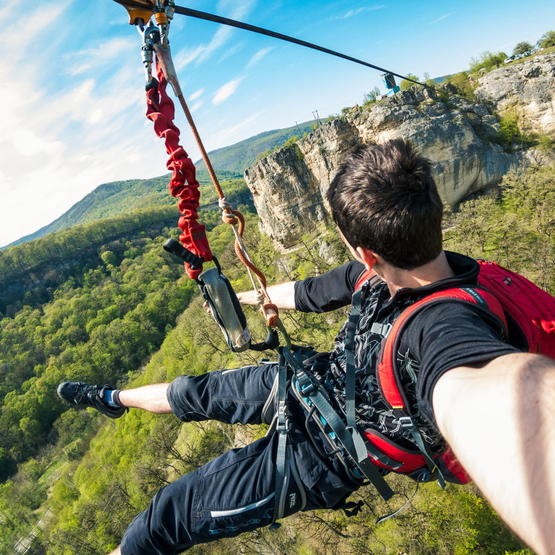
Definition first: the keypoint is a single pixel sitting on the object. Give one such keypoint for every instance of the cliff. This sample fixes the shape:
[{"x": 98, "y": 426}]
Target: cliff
[
  {"x": 528, "y": 88},
  {"x": 461, "y": 138}
]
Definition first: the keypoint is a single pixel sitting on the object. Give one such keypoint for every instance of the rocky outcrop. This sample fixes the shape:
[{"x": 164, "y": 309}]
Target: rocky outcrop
[
  {"x": 461, "y": 138},
  {"x": 528, "y": 88},
  {"x": 289, "y": 185}
]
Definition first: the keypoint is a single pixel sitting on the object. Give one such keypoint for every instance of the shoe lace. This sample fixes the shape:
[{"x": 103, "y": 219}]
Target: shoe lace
[{"x": 86, "y": 393}]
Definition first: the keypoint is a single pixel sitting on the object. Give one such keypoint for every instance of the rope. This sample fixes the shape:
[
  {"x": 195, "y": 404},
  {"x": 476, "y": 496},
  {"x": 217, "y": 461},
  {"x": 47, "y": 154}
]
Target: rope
[
  {"x": 183, "y": 184},
  {"x": 267, "y": 32},
  {"x": 230, "y": 216}
]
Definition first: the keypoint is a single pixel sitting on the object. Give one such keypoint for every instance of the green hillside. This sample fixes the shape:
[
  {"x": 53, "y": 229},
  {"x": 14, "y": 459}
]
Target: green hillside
[
  {"x": 235, "y": 158},
  {"x": 30, "y": 273},
  {"x": 123, "y": 197}
]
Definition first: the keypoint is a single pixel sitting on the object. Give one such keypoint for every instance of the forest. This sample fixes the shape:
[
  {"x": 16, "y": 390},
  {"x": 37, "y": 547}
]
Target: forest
[{"x": 124, "y": 314}]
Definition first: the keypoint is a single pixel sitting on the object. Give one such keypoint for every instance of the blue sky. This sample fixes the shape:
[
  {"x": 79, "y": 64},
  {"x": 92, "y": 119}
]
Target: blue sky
[{"x": 72, "y": 81}]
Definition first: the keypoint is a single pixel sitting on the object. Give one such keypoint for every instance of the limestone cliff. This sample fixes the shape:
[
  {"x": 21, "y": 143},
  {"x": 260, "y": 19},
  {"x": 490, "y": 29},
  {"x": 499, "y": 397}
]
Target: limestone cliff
[
  {"x": 461, "y": 139},
  {"x": 528, "y": 88}
]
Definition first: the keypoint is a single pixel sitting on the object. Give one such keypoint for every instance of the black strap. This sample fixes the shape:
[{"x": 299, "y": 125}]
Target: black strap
[
  {"x": 348, "y": 436},
  {"x": 350, "y": 370},
  {"x": 407, "y": 422},
  {"x": 282, "y": 427}
]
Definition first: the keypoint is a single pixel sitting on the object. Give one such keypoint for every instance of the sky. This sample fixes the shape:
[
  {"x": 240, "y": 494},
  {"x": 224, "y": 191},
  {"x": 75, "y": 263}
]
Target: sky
[{"x": 73, "y": 85}]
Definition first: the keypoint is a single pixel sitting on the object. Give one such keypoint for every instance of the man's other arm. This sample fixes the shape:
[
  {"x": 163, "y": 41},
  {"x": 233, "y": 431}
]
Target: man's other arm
[
  {"x": 322, "y": 293},
  {"x": 282, "y": 295},
  {"x": 500, "y": 422}
]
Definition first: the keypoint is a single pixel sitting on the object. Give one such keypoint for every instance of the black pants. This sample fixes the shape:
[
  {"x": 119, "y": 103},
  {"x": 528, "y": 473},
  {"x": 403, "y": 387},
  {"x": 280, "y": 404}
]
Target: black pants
[{"x": 235, "y": 492}]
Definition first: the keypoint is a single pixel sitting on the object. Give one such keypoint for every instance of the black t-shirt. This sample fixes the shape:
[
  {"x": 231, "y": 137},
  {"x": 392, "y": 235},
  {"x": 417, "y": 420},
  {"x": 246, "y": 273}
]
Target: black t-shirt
[
  {"x": 328, "y": 291},
  {"x": 440, "y": 337}
]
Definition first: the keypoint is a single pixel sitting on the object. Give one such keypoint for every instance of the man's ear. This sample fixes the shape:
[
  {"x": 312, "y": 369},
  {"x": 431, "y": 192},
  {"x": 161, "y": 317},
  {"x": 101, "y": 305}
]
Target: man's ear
[{"x": 368, "y": 257}]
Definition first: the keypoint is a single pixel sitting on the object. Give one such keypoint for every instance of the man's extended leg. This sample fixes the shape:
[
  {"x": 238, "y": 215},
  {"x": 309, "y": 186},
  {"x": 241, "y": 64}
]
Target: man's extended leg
[
  {"x": 114, "y": 403},
  {"x": 238, "y": 395},
  {"x": 152, "y": 398}
]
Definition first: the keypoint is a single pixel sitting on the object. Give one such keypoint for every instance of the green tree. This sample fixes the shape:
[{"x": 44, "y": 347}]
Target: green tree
[
  {"x": 523, "y": 49},
  {"x": 371, "y": 96},
  {"x": 547, "y": 40}
]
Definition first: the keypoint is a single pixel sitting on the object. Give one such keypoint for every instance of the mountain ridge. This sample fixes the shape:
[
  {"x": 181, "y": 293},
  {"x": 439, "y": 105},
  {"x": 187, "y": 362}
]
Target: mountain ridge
[{"x": 119, "y": 197}]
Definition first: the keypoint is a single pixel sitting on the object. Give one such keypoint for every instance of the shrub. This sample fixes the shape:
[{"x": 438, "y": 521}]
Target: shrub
[{"x": 487, "y": 61}]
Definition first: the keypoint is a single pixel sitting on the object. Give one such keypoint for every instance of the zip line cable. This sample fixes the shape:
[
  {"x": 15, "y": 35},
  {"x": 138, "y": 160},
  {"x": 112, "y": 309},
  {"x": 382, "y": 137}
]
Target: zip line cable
[{"x": 267, "y": 32}]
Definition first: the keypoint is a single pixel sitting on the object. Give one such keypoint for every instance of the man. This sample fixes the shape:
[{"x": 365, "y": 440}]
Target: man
[{"x": 465, "y": 385}]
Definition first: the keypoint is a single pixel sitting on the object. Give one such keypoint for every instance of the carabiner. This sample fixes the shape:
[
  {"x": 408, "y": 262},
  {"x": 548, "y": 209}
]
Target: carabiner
[{"x": 151, "y": 36}]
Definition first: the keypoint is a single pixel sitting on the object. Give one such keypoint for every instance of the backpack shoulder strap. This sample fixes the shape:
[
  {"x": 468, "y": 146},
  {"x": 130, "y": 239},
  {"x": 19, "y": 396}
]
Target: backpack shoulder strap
[
  {"x": 387, "y": 374},
  {"x": 363, "y": 278}
]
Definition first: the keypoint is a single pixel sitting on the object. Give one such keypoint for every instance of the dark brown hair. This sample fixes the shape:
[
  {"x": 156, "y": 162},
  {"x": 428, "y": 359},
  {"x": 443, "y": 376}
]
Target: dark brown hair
[{"x": 384, "y": 198}]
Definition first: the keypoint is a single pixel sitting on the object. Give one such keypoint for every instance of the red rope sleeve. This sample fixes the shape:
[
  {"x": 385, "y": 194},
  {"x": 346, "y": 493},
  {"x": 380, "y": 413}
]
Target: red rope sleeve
[{"x": 183, "y": 184}]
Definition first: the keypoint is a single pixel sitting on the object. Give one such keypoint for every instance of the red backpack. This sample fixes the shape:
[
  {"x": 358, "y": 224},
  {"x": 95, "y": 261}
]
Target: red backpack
[{"x": 524, "y": 309}]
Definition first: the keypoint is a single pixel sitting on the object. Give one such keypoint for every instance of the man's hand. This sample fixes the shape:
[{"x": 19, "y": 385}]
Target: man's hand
[{"x": 500, "y": 422}]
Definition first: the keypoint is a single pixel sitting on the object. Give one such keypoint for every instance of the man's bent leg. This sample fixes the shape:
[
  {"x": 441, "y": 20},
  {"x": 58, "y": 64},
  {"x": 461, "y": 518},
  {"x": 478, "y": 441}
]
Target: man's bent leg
[
  {"x": 232, "y": 396},
  {"x": 232, "y": 494}
]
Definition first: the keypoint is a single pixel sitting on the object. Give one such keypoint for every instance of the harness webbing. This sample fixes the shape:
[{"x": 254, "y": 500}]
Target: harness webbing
[
  {"x": 282, "y": 429},
  {"x": 350, "y": 392},
  {"x": 348, "y": 436},
  {"x": 350, "y": 372}
]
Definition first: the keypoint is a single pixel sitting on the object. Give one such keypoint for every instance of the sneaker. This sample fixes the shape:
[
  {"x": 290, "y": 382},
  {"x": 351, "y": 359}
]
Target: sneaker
[{"x": 85, "y": 395}]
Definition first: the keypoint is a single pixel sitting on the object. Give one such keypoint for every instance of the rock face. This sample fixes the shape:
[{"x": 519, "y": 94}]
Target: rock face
[
  {"x": 528, "y": 88},
  {"x": 289, "y": 185},
  {"x": 460, "y": 138}
]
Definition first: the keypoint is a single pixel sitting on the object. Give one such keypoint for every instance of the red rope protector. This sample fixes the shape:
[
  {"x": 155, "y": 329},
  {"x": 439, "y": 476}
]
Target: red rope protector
[{"x": 183, "y": 184}]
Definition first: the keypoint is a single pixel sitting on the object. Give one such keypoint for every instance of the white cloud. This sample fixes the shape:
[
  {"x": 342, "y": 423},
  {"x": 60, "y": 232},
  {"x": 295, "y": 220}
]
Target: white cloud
[
  {"x": 358, "y": 11},
  {"x": 225, "y": 91},
  {"x": 236, "y": 10},
  {"x": 263, "y": 52},
  {"x": 221, "y": 37},
  {"x": 440, "y": 18},
  {"x": 187, "y": 56},
  {"x": 196, "y": 95},
  {"x": 197, "y": 106},
  {"x": 236, "y": 132},
  {"x": 92, "y": 58},
  {"x": 61, "y": 139},
  {"x": 33, "y": 23}
]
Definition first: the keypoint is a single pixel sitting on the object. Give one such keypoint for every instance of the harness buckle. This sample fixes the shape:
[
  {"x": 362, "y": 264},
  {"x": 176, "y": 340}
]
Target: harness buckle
[
  {"x": 406, "y": 422},
  {"x": 306, "y": 385},
  {"x": 283, "y": 424}
]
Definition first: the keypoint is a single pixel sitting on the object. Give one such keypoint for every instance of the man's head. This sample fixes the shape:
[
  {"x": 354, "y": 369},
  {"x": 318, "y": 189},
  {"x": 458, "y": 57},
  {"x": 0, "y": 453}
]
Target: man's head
[{"x": 384, "y": 198}]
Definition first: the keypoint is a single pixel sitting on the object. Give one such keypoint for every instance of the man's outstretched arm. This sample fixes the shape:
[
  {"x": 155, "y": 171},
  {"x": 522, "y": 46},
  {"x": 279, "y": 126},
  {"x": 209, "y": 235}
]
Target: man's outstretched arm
[
  {"x": 500, "y": 422},
  {"x": 282, "y": 295}
]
